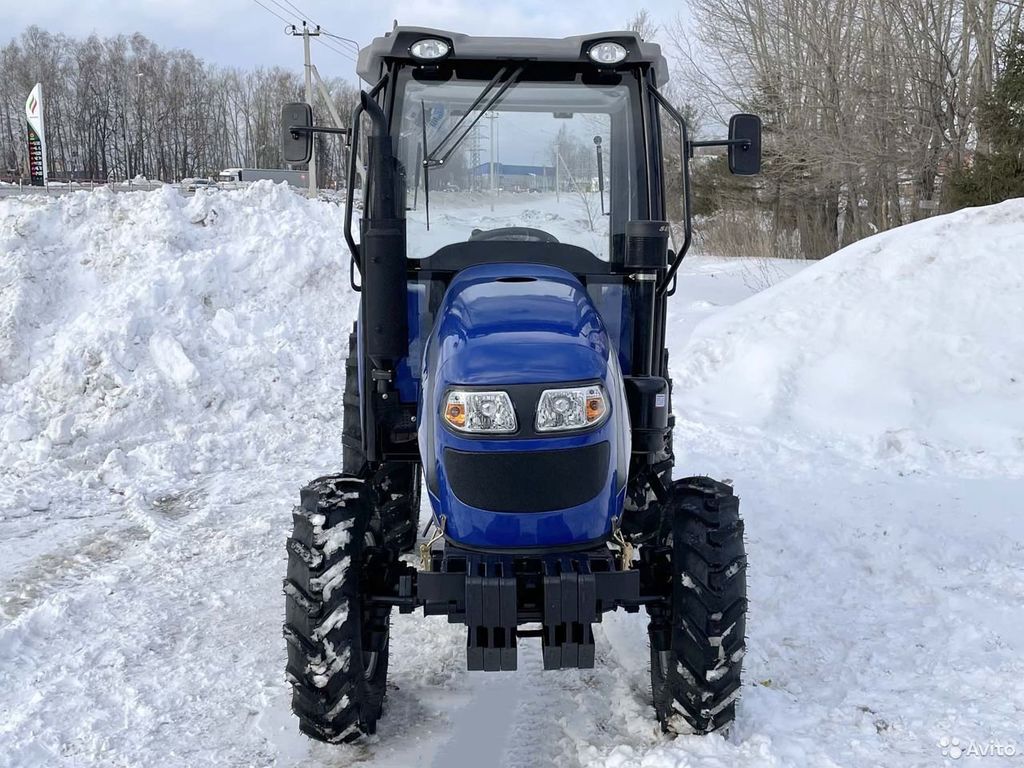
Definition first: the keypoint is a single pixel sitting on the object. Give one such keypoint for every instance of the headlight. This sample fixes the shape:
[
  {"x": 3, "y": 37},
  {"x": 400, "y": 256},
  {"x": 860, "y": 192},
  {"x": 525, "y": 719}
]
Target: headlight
[
  {"x": 573, "y": 408},
  {"x": 607, "y": 53},
  {"x": 480, "y": 412},
  {"x": 429, "y": 48}
]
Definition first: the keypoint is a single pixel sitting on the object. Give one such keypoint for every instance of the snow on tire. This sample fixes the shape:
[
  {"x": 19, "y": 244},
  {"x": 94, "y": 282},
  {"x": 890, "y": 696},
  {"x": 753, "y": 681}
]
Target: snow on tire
[
  {"x": 337, "y": 647},
  {"x": 696, "y": 669}
]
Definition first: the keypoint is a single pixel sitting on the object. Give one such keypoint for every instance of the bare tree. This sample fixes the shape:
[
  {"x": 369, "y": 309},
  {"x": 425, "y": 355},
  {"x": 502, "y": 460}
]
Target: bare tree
[
  {"x": 643, "y": 24},
  {"x": 867, "y": 103},
  {"x": 122, "y": 106}
]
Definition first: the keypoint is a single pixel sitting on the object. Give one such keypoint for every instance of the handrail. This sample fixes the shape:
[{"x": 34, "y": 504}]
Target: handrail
[
  {"x": 684, "y": 151},
  {"x": 353, "y": 247}
]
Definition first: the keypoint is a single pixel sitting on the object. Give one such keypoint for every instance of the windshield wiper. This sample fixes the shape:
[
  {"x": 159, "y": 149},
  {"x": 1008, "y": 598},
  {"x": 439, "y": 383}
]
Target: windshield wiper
[
  {"x": 430, "y": 161},
  {"x": 483, "y": 94}
]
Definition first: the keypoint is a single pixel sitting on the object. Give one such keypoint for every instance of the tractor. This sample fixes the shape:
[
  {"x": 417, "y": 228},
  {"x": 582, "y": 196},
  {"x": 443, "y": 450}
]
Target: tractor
[{"x": 514, "y": 260}]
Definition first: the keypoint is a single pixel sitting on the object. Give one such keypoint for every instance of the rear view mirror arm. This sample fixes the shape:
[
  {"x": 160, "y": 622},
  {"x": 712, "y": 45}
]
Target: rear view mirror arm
[
  {"x": 741, "y": 143},
  {"x": 685, "y": 151},
  {"x": 299, "y": 129}
]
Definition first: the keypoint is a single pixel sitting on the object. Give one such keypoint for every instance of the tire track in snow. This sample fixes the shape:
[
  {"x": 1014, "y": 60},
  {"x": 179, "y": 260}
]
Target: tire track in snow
[
  {"x": 534, "y": 738},
  {"x": 162, "y": 657},
  {"x": 61, "y": 571},
  {"x": 168, "y": 516}
]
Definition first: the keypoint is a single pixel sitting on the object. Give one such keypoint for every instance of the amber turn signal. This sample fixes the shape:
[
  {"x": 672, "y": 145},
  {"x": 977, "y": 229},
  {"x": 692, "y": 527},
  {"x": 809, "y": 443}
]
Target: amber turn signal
[{"x": 455, "y": 414}]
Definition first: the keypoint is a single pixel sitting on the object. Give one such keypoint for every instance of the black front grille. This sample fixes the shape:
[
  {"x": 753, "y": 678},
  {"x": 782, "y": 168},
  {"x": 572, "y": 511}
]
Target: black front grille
[{"x": 535, "y": 481}]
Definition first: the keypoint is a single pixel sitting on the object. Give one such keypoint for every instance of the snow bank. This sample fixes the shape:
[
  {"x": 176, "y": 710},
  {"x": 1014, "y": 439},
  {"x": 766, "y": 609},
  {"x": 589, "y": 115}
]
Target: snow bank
[
  {"x": 905, "y": 349},
  {"x": 150, "y": 335},
  {"x": 170, "y": 373}
]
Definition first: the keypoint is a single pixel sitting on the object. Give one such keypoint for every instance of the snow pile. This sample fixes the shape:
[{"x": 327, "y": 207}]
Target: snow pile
[
  {"x": 155, "y": 336},
  {"x": 905, "y": 349}
]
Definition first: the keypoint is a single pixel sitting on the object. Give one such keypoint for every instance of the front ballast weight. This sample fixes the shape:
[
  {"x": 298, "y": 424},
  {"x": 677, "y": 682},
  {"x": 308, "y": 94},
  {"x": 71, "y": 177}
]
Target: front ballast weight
[
  {"x": 495, "y": 595},
  {"x": 504, "y": 597}
]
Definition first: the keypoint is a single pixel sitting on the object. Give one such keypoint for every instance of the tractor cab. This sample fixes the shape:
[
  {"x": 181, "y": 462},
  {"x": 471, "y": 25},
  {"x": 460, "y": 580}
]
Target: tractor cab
[
  {"x": 514, "y": 254},
  {"x": 541, "y": 151}
]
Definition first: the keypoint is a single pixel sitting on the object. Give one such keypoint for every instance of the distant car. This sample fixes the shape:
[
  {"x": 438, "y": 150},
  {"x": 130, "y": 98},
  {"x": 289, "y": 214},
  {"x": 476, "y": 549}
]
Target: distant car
[{"x": 194, "y": 184}]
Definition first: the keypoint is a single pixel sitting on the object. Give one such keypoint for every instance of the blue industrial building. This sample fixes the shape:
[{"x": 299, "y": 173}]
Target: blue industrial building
[{"x": 518, "y": 177}]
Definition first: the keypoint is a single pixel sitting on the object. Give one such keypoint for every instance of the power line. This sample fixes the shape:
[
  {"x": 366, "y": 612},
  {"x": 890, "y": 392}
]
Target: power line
[
  {"x": 338, "y": 51},
  {"x": 334, "y": 47},
  {"x": 268, "y": 10},
  {"x": 350, "y": 55},
  {"x": 292, "y": 7},
  {"x": 284, "y": 10},
  {"x": 303, "y": 15},
  {"x": 345, "y": 51},
  {"x": 296, "y": 9},
  {"x": 348, "y": 40}
]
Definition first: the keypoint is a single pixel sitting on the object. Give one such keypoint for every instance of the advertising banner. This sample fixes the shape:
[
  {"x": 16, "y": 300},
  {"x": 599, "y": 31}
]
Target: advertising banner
[{"x": 36, "y": 136}]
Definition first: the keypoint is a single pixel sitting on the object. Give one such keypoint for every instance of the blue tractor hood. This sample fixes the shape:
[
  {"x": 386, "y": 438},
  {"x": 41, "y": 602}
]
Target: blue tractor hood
[
  {"x": 519, "y": 323},
  {"x": 512, "y": 326}
]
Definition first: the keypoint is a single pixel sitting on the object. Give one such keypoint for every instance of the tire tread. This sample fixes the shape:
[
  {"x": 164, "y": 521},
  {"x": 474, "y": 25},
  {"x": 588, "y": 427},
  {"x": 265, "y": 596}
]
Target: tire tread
[
  {"x": 323, "y": 629},
  {"x": 697, "y": 691}
]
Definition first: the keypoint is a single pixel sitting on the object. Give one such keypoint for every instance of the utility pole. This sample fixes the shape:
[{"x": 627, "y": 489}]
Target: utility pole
[
  {"x": 326, "y": 96},
  {"x": 492, "y": 116},
  {"x": 474, "y": 157},
  {"x": 558, "y": 155},
  {"x": 306, "y": 33}
]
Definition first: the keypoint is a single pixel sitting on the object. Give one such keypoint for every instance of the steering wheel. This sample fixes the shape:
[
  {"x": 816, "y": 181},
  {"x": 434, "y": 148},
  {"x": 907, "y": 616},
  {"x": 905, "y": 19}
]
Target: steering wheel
[{"x": 521, "y": 234}]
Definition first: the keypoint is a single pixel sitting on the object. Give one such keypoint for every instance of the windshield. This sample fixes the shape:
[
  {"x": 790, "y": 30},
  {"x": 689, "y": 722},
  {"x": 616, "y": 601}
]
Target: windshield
[{"x": 548, "y": 161}]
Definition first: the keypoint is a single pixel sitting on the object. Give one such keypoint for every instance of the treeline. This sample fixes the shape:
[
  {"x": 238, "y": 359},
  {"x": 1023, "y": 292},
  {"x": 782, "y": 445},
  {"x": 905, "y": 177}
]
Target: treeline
[
  {"x": 870, "y": 107},
  {"x": 121, "y": 107},
  {"x": 876, "y": 112}
]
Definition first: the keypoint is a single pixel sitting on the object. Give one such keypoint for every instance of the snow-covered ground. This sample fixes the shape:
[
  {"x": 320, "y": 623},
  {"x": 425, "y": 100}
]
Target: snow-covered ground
[{"x": 170, "y": 374}]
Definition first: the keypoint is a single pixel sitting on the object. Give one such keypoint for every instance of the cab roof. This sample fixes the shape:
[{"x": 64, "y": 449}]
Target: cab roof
[{"x": 396, "y": 44}]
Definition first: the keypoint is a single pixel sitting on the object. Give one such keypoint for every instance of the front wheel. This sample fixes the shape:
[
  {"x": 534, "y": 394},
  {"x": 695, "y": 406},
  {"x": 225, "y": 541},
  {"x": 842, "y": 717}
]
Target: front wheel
[
  {"x": 698, "y": 639},
  {"x": 337, "y": 644}
]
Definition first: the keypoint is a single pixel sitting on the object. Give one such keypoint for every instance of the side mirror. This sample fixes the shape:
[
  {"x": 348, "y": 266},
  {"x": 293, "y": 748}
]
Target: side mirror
[
  {"x": 296, "y": 138},
  {"x": 745, "y": 157}
]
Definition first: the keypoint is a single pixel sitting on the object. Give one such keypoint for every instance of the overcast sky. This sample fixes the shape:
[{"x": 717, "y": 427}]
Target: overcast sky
[{"x": 241, "y": 33}]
